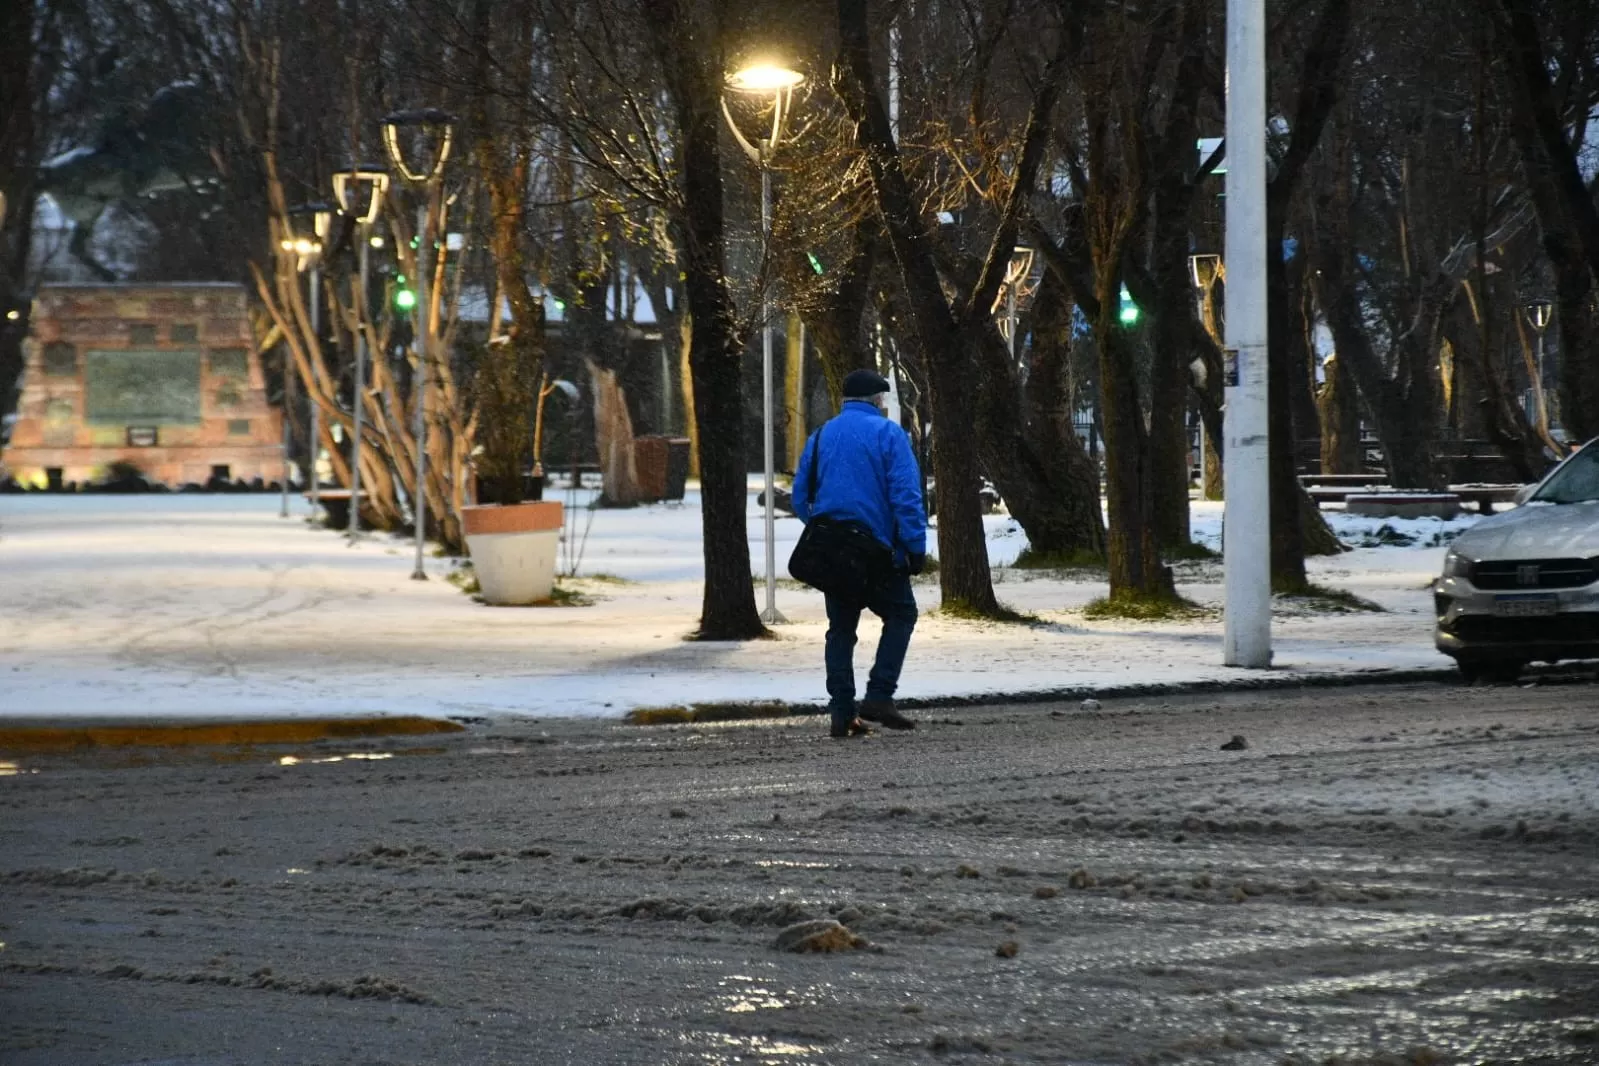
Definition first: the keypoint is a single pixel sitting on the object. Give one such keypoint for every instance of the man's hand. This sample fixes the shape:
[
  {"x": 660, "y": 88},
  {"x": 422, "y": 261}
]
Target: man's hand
[{"x": 915, "y": 562}]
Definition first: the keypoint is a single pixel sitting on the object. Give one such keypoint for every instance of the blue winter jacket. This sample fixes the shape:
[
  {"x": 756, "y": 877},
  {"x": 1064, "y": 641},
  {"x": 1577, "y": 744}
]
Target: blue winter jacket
[{"x": 868, "y": 474}]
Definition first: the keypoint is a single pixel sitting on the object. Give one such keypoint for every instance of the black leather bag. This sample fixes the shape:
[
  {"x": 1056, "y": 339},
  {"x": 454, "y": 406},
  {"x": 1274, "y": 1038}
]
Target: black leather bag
[{"x": 839, "y": 558}]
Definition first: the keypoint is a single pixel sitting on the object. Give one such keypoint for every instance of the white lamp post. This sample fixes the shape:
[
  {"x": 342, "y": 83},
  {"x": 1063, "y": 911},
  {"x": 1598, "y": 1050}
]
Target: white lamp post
[
  {"x": 359, "y": 191},
  {"x": 431, "y": 131},
  {"x": 1540, "y": 313},
  {"x": 1205, "y": 270},
  {"x": 305, "y": 234},
  {"x": 1246, "y": 623},
  {"x": 779, "y": 82}
]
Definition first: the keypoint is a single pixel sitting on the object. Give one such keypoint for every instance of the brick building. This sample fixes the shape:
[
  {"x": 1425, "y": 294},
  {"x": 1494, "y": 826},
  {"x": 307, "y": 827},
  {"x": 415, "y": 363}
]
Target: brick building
[{"x": 165, "y": 377}]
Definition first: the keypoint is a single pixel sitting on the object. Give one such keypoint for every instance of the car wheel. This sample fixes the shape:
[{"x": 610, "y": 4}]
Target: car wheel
[{"x": 1493, "y": 671}]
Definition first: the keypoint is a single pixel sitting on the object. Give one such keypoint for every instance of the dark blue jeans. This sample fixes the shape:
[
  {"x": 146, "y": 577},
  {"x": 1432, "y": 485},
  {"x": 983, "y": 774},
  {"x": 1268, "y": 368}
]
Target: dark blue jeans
[{"x": 895, "y": 604}]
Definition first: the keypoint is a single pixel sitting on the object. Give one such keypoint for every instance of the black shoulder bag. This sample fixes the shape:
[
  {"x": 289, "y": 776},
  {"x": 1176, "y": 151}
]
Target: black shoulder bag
[{"x": 839, "y": 558}]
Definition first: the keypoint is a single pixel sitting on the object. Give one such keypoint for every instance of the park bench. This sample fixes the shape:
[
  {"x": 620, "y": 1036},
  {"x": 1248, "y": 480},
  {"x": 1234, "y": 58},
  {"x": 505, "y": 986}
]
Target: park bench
[
  {"x": 335, "y": 505},
  {"x": 1403, "y": 504},
  {"x": 1483, "y": 497}
]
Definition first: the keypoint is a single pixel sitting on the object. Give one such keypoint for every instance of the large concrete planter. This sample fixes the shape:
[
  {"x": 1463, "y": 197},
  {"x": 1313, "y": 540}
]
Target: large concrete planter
[{"x": 513, "y": 549}]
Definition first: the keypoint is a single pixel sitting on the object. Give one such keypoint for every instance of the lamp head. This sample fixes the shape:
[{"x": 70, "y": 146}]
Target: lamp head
[
  {"x": 1204, "y": 270},
  {"x": 359, "y": 189},
  {"x": 418, "y": 142},
  {"x": 765, "y": 76},
  {"x": 1540, "y": 313}
]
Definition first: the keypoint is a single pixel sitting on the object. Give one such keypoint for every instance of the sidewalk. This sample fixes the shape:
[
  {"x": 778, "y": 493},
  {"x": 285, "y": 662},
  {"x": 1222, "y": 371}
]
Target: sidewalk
[{"x": 213, "y": 607}]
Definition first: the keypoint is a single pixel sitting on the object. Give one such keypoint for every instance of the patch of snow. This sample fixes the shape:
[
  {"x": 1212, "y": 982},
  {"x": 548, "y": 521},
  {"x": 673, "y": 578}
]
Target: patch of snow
[{"x": 213, "y": 606}]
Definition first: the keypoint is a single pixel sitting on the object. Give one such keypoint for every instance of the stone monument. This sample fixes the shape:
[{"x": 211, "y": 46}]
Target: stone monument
[{"x": 161, "y": 376}]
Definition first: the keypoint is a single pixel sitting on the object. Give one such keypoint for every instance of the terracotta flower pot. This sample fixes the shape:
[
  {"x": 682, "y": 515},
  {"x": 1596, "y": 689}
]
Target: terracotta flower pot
[{"x": 513, "y": 549}]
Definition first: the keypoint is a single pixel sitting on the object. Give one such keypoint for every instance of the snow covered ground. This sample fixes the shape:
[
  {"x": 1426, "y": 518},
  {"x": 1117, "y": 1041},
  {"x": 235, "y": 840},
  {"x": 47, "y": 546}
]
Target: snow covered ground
[{"x": 213, "y": 606}]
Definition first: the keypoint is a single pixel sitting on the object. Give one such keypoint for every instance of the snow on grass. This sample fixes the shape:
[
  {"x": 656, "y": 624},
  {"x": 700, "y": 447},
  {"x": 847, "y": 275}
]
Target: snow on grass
[{"x": 213, "y": 606}]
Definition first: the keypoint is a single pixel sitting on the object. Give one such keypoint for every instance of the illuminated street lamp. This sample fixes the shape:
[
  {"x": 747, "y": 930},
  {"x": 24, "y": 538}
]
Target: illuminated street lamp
[
  {"x": 305, "y": 235},
  {"x": 766, "y": 78},
  {"x": 418, "y": 143},
  {"x": 359, "y": 191}
]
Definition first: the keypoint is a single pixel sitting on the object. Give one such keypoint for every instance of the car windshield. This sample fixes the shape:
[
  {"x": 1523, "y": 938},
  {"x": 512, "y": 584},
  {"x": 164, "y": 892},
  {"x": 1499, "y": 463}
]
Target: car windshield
[{"x": 1577, "y": 480}]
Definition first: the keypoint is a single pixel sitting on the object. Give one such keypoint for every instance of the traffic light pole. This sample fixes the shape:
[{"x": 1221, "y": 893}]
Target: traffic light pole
[{"x": 1246, "y": 621}]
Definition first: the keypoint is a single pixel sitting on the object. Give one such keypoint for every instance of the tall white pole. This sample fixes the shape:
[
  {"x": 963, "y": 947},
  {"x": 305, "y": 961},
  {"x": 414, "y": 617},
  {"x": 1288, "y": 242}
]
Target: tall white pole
[
  {"x": 422, "y": 330},
  {"x": 770, "y": 615},
  {"x": 288, "y": 408},
  {"x": 360, "y": 386},
  {"x": 1246, "y": 636},
  {"x": 313, "y": 453}
]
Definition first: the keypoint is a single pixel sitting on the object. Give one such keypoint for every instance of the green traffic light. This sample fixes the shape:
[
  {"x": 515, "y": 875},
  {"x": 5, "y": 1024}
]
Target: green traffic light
[{"x": 1129, "y": 311}]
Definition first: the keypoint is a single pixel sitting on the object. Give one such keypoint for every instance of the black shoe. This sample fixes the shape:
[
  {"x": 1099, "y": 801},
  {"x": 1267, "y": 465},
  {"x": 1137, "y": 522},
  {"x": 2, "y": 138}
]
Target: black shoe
[
  {"x": 883, "y": 713},
  {"x": 852, "y": 728}
]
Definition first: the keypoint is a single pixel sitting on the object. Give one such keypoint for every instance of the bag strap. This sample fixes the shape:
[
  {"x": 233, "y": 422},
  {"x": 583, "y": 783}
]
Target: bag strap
[{"x": 816, "y": 466}]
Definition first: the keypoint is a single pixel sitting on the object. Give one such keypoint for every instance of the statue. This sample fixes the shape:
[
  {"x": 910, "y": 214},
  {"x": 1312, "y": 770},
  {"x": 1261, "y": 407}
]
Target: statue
[{"x": 136, "y": 154}]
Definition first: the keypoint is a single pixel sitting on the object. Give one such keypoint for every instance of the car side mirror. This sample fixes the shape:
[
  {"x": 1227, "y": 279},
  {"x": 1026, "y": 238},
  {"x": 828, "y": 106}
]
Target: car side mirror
[{"x": 1523, "y": 494}]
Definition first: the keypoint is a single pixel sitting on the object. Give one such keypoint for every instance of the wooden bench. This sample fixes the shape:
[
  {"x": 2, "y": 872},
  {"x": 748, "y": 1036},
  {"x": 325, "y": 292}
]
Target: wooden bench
[
  {"x": 335, "y": 503},
  {"x": 1483, "y": 497},
  {"x": 1341, "y": 480},
  {"x": 1403, "y": 504}
]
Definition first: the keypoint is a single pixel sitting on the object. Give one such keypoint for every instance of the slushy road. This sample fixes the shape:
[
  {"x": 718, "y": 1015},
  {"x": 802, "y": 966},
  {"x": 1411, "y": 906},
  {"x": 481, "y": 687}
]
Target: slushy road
[{"x": 1402, "y": 874}]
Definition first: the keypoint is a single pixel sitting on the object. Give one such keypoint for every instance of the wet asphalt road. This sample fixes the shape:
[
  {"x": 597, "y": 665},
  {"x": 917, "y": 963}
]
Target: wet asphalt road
[{"x": 1404, "y": 874}]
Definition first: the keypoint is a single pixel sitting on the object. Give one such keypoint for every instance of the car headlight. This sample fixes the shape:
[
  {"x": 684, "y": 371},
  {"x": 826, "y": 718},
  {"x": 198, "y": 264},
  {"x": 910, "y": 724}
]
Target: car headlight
[{"x": 1458, "y": 565}]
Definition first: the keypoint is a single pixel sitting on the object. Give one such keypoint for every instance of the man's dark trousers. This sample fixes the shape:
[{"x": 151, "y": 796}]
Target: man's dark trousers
[{"x": 893, "y": 602}]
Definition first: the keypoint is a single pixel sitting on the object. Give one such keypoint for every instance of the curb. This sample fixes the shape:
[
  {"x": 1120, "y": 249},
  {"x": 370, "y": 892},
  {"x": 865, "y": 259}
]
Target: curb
[
  {"x": 46, "y": 739},
  {"x": 1264, "y": 683},
  {"x": 741, "y": 711}
]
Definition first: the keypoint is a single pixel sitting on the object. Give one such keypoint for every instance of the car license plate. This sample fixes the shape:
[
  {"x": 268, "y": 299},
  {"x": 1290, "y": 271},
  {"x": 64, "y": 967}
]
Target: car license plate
[{"x": 1526, "y": 606}]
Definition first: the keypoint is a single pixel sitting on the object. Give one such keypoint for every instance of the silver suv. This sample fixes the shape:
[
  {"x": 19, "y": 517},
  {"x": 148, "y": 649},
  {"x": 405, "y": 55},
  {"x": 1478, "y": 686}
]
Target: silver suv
[{"x": 1524, "y": 585}]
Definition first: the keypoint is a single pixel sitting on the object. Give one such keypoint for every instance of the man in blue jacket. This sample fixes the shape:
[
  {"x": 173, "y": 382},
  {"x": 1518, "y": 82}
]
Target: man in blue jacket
[{"x": 868, "y": 475}]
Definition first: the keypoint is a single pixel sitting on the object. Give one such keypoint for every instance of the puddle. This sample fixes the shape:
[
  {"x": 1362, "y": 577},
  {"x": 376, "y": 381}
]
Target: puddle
[{"x": 370, "y": 756}]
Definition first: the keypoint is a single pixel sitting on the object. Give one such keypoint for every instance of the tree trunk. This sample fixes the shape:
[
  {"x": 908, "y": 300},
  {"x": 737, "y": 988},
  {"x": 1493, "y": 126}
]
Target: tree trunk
[
  {"x": 693, "y": 68},
  {"x": 1049, "y": 406},
  {"x": 1172, "y": 330},
  {"x": 1403, "y": 417},
  {"x": 691, "y": 421},
  {"x": 1048, "y": 482},
  {"x": 1566, "y": 211},
  {"x": 1287, "y": 532},
  {"x": 834, "y": 331},
  {"x": 613, "y": 437},
  {"x": 1133, "y": 552},
  {"x": 794, "y": 421},
  {"x": 1338, "y": 408},
  {"x": 21, "y": 148},
  {"x": 962, "y": 546}
]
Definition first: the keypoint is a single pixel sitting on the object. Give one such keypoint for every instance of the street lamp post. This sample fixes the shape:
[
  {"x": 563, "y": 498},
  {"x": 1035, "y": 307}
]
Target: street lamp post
[
  {"x": 1205, "y": 270},
  {"x": 437, "y": 128},
  {"x": 1014, "y": 288},
  {"x": 1246, "y": 636},
  {"x": 359, "y": 191},
  {"x": 1540, "y": 313},
  {"x": 305, "y": 237},
  {"x": 778, "y": 82}
]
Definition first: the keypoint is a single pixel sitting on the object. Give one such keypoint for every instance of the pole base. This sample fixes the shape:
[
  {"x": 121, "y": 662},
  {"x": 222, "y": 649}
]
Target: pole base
[
  {"x": 773, "y": 617},
  {"x": 418, "y": 575}
]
